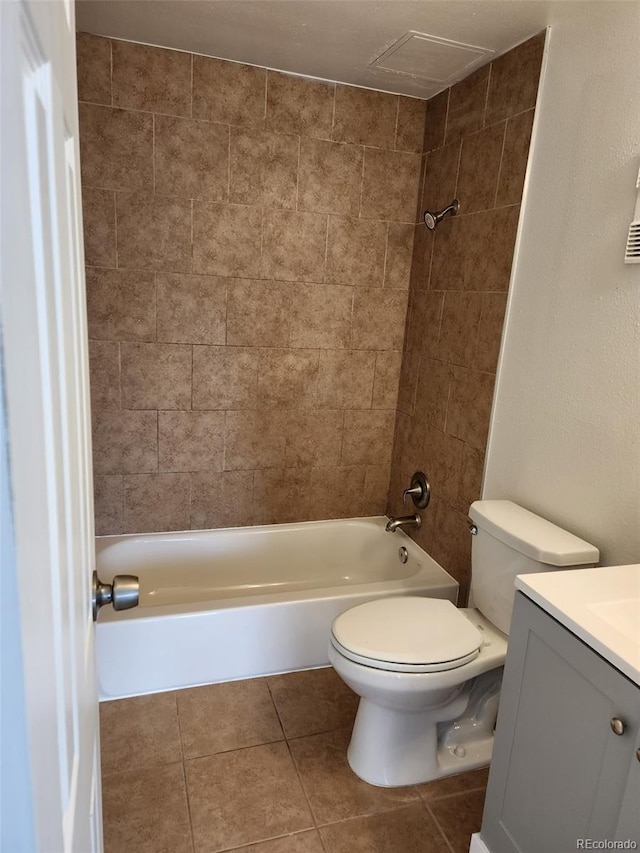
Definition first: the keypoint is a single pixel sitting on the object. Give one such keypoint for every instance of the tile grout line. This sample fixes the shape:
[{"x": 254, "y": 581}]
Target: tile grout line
[
  {"x": 386, "y": 253},
  {"x": 446, "y": 408},
  {"x": 333, "y": 112},
  {"x": 392, "y": 808},
  {"x": 433, "y": 251},
  {"x": 115, "y": 227},
  {"x": 293, "y": 761},
  {"x": 446, "y": 118},
  {"x": 462, "y": 793},
  {"x": 461, "y": 143},
  {"x": 175, "y": 697},
  {"x": 122, "y": 501},
  {"x": 396, "y": 807},
  {"x": 504, "y": 145},
  {"x": 298, "y": 175},
  {"x": 153, "y": 152},
  {"x": 261, "y": 244},
  {"x": 275, "y": 706},
  {"x": 395, "y": 130},
  {"x": 486, "y": 98},
  {"x": 437, "y": 823},
  {"x": 111, "y": 71},
  {"x": 140, "y": 769},
  {"x": 304, "y": 790},
  {"x": 219, "y": 751},
  {"x": 199, "y": 119},
  {"x": 266, "y": 90},
  {"x": 364, "y": 154},
  {"x": 228, "y": 164},
  {"x": 155, "y": 305},
  {"x": 326, "y": 251},
  {"x": 188, "y": 799},
  {"x": 481, "y": 316},
  {"x": 192, "y": 216},
  {"x": 191, "y": 86}
]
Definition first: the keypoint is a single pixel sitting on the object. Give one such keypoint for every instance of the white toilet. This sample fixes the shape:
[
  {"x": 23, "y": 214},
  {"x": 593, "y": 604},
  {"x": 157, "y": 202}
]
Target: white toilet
[{"x": 429, "y": 674}]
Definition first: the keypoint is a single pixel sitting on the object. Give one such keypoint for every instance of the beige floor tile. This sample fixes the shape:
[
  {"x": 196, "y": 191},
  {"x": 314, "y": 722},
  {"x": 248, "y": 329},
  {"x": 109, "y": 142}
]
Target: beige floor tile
[
  {"x": 139, "y": 732},
  {"x": 146, "y": 811},
  {"x": 301, "y": 842},
  {"x": 409, "y": 830},
  {"x": 313, "y": 701},
  {"x": 334, "y": 791},
  {"x": 222, "y": 717},
  {"x": 457, "y": 784},
  {"x": 245, "y": 796},
  {"x": 458, "y": 817}
]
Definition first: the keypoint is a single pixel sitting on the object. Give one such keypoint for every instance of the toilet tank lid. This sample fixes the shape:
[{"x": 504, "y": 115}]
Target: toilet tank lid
[{"x": 531, "y": 535}]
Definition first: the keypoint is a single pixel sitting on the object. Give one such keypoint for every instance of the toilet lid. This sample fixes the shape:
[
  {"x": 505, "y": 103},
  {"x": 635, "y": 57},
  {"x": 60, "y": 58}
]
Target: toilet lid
[{"x": 400, "y": 633}]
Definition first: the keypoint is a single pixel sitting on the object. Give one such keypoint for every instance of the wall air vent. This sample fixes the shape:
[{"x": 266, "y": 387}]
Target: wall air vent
[
  {"x": 434, "y": 62},
  {"x": 632, "y": 254}
]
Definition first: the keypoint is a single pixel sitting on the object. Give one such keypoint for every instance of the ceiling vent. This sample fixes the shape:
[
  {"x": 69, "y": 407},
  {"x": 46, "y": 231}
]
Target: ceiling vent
[{"x": 433, "y": 63}]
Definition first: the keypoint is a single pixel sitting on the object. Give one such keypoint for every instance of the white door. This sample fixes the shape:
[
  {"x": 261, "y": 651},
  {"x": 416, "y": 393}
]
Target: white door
[{"x": 45, "y": 364}]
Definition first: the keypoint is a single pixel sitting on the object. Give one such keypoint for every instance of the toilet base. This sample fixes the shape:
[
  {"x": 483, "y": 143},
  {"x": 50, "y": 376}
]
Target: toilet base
[
  {"x": 407, "y": 753},
  {"x": 446, "y": 765},
  {"x": 393, "y": 748}
]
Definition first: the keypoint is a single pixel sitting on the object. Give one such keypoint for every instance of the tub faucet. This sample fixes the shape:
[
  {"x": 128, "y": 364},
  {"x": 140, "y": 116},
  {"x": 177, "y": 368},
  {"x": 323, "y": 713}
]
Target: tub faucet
[{"x": 403, "y": 521}]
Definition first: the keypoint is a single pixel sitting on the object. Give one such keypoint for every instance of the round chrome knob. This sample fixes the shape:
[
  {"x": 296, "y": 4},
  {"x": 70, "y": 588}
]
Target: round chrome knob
[
  {"x": 123, "y": 593},
  {"x": 617, "y": 726},
  {"x": 126, "y": 592}
]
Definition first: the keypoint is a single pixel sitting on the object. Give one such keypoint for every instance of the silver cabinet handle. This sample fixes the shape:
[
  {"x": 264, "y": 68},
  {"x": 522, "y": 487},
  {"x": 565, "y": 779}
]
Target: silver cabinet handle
[{"x": 617, "y": 726}]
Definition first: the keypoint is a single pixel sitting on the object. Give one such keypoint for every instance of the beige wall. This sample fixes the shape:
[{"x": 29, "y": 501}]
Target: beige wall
[
  {"x": 476, "y": 143},
  {"x": 569, "y": 386},
  {"x": 248, "y": 237}
]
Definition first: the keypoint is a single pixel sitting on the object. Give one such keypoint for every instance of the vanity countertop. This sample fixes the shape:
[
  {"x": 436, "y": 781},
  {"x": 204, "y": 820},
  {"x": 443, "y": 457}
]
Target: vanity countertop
[{"x": 601, "y": 606}]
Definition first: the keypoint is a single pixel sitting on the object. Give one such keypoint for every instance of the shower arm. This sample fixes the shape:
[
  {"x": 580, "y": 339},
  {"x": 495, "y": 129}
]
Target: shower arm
[{"x": 431, "y": 220}]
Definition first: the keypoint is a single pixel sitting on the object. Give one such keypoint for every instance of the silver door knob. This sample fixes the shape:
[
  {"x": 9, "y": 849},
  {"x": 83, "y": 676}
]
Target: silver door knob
[
  {"x": 123, "y": 593},
  {"x": 617, "y": 726}
]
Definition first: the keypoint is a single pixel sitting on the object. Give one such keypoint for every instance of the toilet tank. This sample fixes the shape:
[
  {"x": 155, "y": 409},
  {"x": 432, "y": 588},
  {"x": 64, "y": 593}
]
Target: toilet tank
[{"x": 512, "y": 541}]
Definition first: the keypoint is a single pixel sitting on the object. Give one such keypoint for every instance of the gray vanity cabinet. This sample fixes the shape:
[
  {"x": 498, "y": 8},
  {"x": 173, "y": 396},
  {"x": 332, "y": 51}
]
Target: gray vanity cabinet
[{"x": 559, "y": 772}]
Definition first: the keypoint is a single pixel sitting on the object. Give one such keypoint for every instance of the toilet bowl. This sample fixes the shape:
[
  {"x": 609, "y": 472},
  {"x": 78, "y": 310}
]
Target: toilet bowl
[
  {"x": 428, "y": 674},
  {"x": 399, "y": 737}
]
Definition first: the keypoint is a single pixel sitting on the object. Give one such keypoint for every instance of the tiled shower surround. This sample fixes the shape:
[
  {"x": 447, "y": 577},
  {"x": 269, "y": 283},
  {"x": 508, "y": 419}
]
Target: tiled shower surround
[
  {"x": 248, "y": 240},
  {"x": 250, "y": 245},
  {"x": 476, "y": 146}
]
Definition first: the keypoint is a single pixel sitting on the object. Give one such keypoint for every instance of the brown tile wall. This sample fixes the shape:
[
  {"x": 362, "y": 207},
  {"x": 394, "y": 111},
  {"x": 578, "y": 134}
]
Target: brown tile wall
[
  {"x": 475, "y": 149},
  {"x": 248, "y": 240}
]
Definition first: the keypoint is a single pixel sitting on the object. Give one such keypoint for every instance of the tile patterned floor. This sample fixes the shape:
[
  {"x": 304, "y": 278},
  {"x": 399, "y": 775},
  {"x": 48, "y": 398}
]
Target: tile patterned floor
[{"x": 260, "y": 766}]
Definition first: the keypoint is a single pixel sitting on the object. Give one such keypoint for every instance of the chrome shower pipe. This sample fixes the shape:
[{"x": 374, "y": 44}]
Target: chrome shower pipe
[{"x": 432, "y": 219}]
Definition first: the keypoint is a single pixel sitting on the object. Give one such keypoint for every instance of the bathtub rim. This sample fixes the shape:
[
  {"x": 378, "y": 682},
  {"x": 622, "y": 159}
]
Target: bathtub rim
[{"x": 430, "y": 573}]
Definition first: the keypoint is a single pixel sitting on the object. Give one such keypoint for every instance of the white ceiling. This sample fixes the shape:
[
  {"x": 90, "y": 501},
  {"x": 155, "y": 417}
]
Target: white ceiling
[{"x": 332, "y": 39}]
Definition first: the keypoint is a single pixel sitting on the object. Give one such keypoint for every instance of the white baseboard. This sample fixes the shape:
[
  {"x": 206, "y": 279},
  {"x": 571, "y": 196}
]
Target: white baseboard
[{"x": 477, "y": 844}]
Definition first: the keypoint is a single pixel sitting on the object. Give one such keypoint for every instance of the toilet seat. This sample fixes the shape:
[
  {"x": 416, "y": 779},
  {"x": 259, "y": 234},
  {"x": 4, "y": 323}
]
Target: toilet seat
[{"x": 407, "y": 634}]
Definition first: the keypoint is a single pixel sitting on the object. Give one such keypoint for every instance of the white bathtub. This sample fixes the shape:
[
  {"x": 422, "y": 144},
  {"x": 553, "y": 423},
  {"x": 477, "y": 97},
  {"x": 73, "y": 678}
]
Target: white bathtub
[{"x": 219, "y": 605}]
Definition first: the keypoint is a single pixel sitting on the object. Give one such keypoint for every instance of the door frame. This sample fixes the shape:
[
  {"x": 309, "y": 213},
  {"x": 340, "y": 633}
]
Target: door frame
[{"x": 33, "y": 811}]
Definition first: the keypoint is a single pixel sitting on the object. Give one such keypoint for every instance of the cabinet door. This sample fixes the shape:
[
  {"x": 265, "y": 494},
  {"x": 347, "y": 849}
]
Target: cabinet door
[
  {"x": 629, "y": 818},
  {"x": 558, "y": 772}
]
